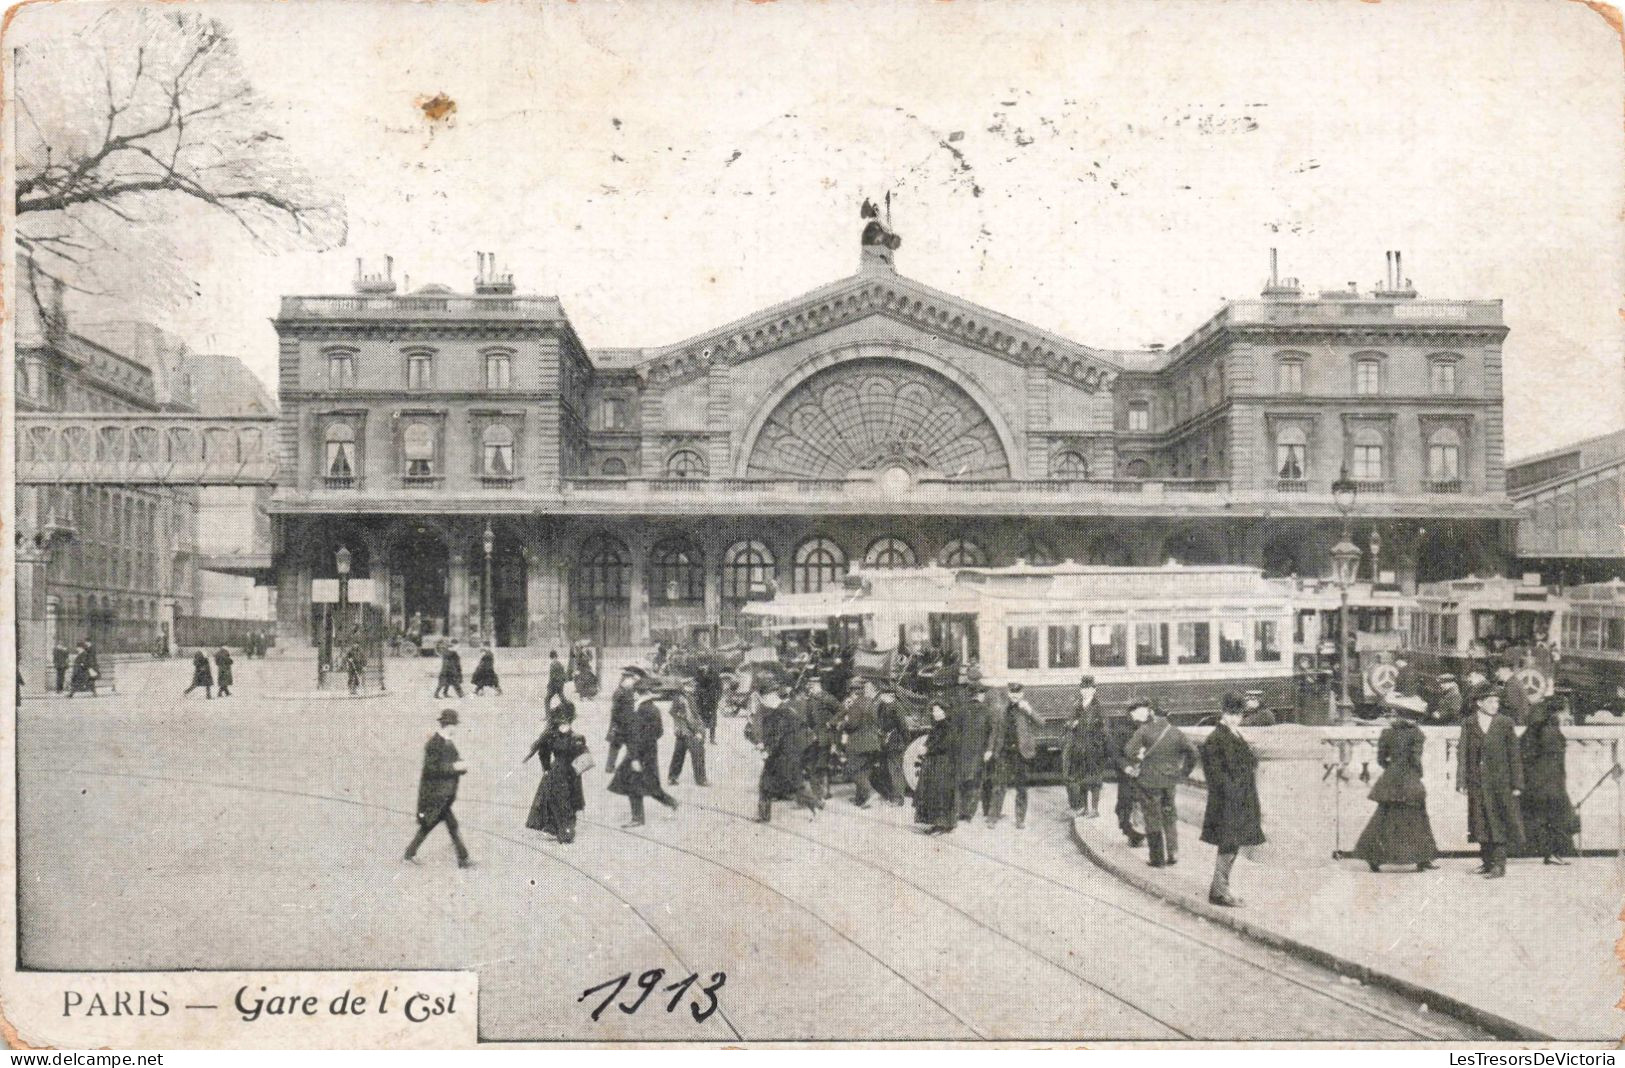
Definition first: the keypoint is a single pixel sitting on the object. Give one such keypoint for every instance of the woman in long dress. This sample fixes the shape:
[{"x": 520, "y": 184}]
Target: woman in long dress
[
  {"x": 1399, "y": 831},
  {"x": 559, "y": 795},
  {"x": 934, "y": 803},
  {"x": 202, "y": 674},
  {"x": 485, "y": 673},
  {"x": 1549, "y": 819}
]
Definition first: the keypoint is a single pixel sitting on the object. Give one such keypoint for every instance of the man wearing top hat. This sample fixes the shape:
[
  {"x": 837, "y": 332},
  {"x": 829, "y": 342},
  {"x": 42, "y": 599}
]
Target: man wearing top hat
[
  {"x": 621, "y": 706},
  {"x": 638, "y": 776},
  {"x": 1010, "y": 750},
  {"x": 1489, "y": 771},
  {"x": 437, "y": 789}
]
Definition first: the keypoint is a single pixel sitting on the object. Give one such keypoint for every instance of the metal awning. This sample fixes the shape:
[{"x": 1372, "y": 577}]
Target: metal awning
[{"x": 813, "y": 608}]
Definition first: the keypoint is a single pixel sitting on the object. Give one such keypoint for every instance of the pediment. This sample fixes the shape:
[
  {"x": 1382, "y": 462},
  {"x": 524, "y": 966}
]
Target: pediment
[{"x": 881, "y": 293}]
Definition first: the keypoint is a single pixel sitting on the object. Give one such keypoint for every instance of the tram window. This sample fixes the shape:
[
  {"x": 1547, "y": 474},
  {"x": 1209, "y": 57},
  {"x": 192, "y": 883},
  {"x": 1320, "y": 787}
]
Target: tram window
[
  {"x": 1108, "y": 644},
  {"x": 1590, "y": 632},
  {"x": 1192, "y": 643},
  {"x": 1023, "y": 653},
  {"x": 1266, "y": 640},
  {"x": 1150, "y": 643},
  {"x": 1616, "y": 636},
  {"x": 1448, "y": 629},
  {"x": 1232, "y": 642},
  {"x": 1571, "y": 630},
  {"x": 1063, "y": 648}
]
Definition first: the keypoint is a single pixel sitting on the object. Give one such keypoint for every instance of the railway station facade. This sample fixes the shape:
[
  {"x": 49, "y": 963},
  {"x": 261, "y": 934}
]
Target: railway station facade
[{"x": 872, "y": 422}]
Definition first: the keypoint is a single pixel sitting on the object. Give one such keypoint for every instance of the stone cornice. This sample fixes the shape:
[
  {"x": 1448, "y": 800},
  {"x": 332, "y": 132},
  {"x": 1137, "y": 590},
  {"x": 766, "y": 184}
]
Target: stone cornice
[
  {"x": 390, "y": 329},
  {"x": 414, "y": 396},
  {"x": 897, "y": 299},
  {"x": 1364, "y": 333}
]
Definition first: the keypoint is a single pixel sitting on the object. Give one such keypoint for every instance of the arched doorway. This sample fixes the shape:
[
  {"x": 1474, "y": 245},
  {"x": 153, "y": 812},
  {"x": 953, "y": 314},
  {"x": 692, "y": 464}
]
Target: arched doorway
[
  {"x": 601, "y": 592},
  {"x": 420, "y": 565}
]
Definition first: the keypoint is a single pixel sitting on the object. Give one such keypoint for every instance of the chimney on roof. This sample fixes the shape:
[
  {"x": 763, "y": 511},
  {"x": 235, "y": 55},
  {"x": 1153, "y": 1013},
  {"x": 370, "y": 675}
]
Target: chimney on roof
[
  {"x": 376, "y": 283},
  {"x": 1397, "y": 285},
  {"x": 488, "y": 282},
  {"x": 1278, "y": 288}
]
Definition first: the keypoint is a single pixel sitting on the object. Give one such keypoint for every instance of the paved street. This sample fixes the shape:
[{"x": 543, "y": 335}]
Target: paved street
[{"x": 165, "y": 833}]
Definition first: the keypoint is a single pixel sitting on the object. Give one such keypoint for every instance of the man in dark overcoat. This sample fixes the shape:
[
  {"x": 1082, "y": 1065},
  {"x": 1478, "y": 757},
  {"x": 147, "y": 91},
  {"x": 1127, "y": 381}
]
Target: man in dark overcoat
[
  {"x": 1489, "y": 771},
  {"x": 83, "y": 675},
  {"x": 707, "y": 696},
  {"x": 1118, "y": 731},
  {"x": 975, "y": 728},
  {"x": 1446, "y": 704},
  {"x": 1232, "y": 817},
  {"x": 688, "y": 731},
  {"x": 638, "y": 776},
  {"x": 443, "y": 767},
  {"x": 1011, "y": 747},
  {"x": 860, "y": 738},
  {"x": 894, "y": 739},
  {"x": 785, "y": 738},
  {"x": 451, "y": 672},
  {"x": 621, "y": 706},
  {"x": 821, "y": 712},
  {"x": 60, "y": 661},
  {"x": 1161, "y": 757},
  {"x": 557, "y": 676}
]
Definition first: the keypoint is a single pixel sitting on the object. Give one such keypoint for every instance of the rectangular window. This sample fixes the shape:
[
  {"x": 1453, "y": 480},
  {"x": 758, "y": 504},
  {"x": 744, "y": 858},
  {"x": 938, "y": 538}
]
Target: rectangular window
[
  {"x": 1232, "y": 642},
  {"x": 1368, "y": 463},
  {"x": 1444, "y": 377},
  {"x": 1590, "y": 632},
  {"x": 1023, "y": 653},
  {"x": 1266, "y": 641},
  {"x": 1192, "y": 643},
  {"x": 1108, "y": 644},
  {"x": 1368, "y": 378},
  {"x": 612, "y": 413},
  {"x": 1290, "y": 377},
  {"x": 419, "y": 371},
  {"x": 498, "y": 371},
  {"x": 1064, "y": 650},
  {"x": 1444, "y": 462},
  {"x": 1449, "y": 627},
  {"x": 340, "y": 370},
  {"x": 419, "y": 448},
  {"x": 1616, "y": 636},
  {"x": 1139, "y": 416},
  {"x": 1150, "y": 644}
]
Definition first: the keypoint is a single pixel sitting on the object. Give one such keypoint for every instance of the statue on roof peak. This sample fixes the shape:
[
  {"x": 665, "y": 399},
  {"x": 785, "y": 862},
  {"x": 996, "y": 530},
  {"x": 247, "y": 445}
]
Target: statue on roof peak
[{"x": 879, "y": 239}]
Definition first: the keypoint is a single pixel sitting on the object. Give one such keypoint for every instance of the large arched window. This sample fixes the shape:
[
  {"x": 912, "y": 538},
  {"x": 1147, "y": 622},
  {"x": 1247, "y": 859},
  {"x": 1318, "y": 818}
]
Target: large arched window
[
  {"x": 889, "y": 552},
  {"x": 685, "y": 463},
  {"x": 819, "y": 563},
  {"x": 1038, "y": 553},
  {"x": 1138, "y": 469},
  {"x": 676, "y": 573},
  {"x": 747, "y": 568},
  {"x": 614, "y": 467},
  {"x": 603, "y": 571},
  {"x": 1444, "y": 456},
  {"x": 1069, "y": 465},
  {"x": 497, "y": 442},
  {"x": 1291, "y": 454},
  {"x": 339, "y": 466},
  {"x": 1366, "y": 459},
  {"x": 962, "y": 553}
]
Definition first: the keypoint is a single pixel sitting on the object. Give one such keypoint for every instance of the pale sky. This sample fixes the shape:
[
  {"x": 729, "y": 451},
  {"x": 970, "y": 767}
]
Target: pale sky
[{"x": 1122, "y": 169}]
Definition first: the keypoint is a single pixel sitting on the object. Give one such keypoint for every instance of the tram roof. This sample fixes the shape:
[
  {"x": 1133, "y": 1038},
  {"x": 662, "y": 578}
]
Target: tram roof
[
  {"x": 1612, "y": 591},
  {"x": 1492, "y": 594}
]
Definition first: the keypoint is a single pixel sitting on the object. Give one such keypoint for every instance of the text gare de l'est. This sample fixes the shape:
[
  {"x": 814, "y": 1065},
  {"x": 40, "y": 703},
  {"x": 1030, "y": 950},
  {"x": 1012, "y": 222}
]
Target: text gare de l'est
[{"x": 416, "y": 1007}]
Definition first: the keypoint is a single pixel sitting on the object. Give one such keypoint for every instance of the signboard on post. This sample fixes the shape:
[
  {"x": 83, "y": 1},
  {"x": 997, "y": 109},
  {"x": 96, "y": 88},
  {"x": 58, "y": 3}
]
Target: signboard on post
[
  {"x": 324, "y": 591},
  {"x": 362, "y": 591}
]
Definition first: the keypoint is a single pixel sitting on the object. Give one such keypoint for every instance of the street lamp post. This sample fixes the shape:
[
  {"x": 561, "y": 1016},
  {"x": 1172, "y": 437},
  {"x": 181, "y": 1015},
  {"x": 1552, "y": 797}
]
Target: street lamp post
[
  {"x": 485, "y": 601},
  {"x": 1376, "y": 557},
  {"x": 341, "y": 563},
  {"x": 1345, "y": 566}
]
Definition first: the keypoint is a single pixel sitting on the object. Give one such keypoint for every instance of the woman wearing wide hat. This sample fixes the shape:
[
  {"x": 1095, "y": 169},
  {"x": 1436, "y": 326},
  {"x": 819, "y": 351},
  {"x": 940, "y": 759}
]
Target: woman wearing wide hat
[
  {"x": 559, "y": 795},
  {"x": 485, "y": 673},
  {"x": 1399, "y": 831}
]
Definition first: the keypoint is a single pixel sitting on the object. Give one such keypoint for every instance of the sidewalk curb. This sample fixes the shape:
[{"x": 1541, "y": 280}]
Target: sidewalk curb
[{"x": 1497, "y": 1025}]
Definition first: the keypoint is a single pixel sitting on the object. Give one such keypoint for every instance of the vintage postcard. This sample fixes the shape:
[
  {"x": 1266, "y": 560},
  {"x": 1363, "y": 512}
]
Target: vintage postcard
[{"x": 1071, "y": 522}]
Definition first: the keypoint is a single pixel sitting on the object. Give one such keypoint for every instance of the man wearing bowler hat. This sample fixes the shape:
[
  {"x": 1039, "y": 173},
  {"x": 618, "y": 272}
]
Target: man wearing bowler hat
[
  {"x": 621, "y": 707},
  {"x": 437, "y": 789}
]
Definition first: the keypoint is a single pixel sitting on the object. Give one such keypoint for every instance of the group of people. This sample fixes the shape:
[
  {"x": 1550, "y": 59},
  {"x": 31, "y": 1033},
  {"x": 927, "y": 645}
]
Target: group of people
[
  {"x": 218, "y": 678},
  {"x": 450, "y": 677},
  {"x": 1516, "y": 785},
  {"x": 79, "y": 672}
]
